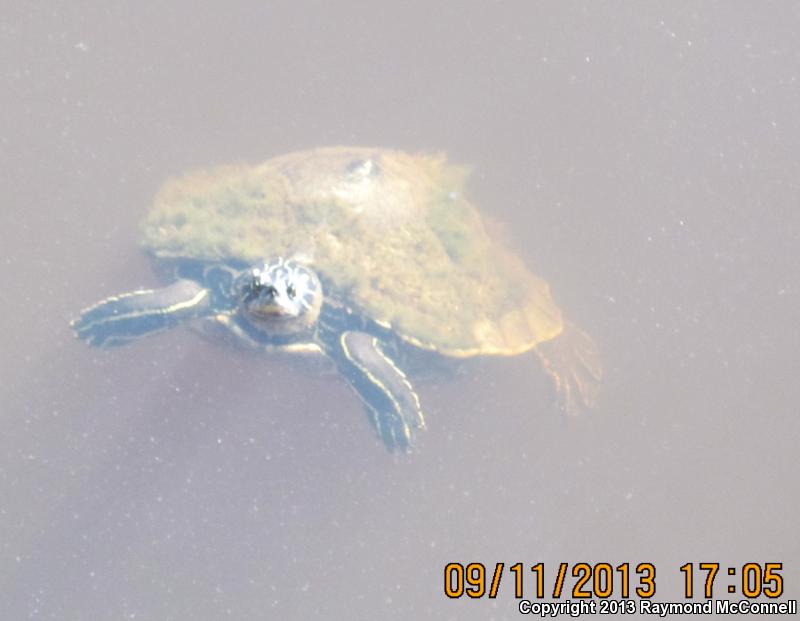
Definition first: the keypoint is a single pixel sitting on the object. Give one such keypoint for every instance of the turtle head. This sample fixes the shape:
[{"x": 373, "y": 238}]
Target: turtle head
[{"x": 280, "y": 296}]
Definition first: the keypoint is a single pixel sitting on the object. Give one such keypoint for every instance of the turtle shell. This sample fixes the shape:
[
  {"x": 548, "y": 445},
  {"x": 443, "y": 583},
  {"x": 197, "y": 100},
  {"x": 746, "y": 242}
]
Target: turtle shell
[{"x": 391, "y": 231}]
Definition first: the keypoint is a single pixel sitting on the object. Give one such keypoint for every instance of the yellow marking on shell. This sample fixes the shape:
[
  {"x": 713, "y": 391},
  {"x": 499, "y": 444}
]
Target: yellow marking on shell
[{"x": 194, "y": 301}]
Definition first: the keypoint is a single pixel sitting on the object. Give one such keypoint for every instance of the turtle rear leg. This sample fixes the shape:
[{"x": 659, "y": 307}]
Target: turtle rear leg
[
  {"x": 391, "y": 402},
  {"x": 573, "y": 361},
  {"x": 123, "y": 318}
]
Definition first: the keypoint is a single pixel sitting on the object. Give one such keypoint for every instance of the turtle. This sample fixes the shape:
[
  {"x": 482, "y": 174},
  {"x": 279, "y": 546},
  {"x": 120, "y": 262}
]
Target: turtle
[{"x": 370, "y": 256}]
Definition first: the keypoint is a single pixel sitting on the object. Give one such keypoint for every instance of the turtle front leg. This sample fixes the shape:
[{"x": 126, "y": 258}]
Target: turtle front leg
[
  {"x": 123, "y": 318},
  {"x": 391, "y": 402}
]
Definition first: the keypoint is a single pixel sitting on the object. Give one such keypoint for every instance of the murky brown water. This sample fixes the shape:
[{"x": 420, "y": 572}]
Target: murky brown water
[{"x": 644, "y": 161}]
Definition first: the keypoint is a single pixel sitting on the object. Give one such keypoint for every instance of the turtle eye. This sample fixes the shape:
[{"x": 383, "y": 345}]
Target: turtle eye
[{"x": 291, "y": 292}]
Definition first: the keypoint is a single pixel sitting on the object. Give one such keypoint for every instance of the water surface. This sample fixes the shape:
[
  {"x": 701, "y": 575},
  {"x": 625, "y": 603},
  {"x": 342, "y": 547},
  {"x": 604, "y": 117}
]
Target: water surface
[{"x": 642, "y": 160}]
